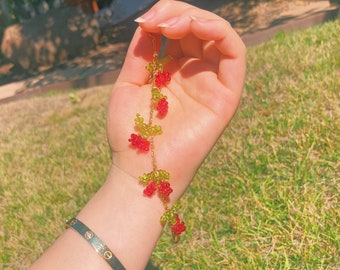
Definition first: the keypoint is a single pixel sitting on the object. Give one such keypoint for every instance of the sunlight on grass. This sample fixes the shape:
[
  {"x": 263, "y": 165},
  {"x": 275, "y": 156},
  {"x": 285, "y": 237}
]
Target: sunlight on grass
[{"x": 267, "y": 197}]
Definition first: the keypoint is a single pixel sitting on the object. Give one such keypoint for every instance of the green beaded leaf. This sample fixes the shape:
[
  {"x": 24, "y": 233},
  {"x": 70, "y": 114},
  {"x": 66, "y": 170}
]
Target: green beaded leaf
[
  {"x": 154, "y": 67},
  {"x": 139, "y": 120},
  {"x": 176, "y": 206},
  {"x": 169, "y": 215},
  {"x": 145, "y": 130},
  {"x": 156, "y": 95},
  {"x": 156, "y": 176},
  {"x": 157, "y": 65},
  {"x": 155, "y": 130}
]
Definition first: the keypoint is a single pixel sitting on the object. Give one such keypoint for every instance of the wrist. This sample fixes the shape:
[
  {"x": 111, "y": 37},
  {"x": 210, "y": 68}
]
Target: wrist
[{"x": 124, "y": 219}]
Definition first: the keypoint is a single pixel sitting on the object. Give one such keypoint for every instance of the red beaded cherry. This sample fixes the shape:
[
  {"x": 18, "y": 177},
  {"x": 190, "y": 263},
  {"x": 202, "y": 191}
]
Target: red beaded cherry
[
  {"x": 139, "y": 142},
  {"x": 162, "y": 107},
  {"x": 165, "y": 189},
  {"x": 162, "y": 79},
  {"x": 179, "y": 226},
  {"x": 150, "y": 189}
]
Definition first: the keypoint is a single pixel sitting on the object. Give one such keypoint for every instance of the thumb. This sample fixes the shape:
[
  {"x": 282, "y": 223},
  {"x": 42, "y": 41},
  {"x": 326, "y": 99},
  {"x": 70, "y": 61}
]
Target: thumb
[{"x": 139, "y": 54}]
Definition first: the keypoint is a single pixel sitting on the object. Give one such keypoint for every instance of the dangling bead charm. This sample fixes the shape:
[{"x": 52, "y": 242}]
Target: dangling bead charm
[
  {"x": 162, "y": 107},
  {"x": 150, "y": 189},
  {"x": 139, "y": 142},
  {"x": 178, "y": 227},
  {"x": 162, "y": 79}
]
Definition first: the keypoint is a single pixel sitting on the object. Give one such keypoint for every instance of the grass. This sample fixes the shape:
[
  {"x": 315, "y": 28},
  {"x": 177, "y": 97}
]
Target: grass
[{"x": 267, "y": 197}]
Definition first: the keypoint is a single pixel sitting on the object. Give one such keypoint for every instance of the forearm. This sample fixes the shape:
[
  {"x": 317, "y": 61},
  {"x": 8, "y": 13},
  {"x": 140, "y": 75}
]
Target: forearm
[{"x": 127, "y": 222}]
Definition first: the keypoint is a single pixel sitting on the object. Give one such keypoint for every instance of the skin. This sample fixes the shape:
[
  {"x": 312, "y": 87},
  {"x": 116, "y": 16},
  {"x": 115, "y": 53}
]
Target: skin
[{"x": 207, "y": 71}]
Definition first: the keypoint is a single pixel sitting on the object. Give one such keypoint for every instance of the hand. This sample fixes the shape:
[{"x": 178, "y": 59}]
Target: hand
[{"x": 207, "y": 70}]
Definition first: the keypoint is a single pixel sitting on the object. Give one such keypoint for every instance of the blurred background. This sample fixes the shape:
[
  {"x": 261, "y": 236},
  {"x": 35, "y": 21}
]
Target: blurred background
[{"x": 46, "y": 43}]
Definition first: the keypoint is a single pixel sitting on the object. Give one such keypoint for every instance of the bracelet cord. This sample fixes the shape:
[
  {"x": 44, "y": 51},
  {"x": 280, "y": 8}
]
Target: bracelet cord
[{"x": 157, "y": 181}]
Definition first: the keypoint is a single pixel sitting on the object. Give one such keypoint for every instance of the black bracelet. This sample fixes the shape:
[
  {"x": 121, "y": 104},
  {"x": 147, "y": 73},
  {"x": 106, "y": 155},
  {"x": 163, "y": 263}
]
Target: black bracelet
[{"x": 96, "y": 243}]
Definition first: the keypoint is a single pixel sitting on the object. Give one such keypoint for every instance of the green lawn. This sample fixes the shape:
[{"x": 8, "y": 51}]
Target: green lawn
[{"x": 267, "y": 197}]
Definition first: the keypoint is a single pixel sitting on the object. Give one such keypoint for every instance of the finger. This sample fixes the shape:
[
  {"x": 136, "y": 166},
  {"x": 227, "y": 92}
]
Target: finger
[
  {"x": 174, "y": 20},
  {"x": 167, "y": 14},
  {"x": 210, "y": 53},
  {"x": 191, "y": 46},
  {"x": 196, "y": 48},
  {"x": 226, "y": 39},
  {"x": 139, "y": 54},
  {"x": 232, "y": 65}
]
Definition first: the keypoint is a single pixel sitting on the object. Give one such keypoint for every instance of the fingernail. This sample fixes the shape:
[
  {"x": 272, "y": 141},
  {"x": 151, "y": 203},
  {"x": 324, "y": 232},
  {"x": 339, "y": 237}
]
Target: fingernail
[
  {"x": 198, "y": 19},
  {"x": 163, "y": 25},
  {"x": 145, "y": 17},
  {"x": 169, "y": 23},
  {"x": 192, "y": 17},
  {"x": 140, "y": 20}
]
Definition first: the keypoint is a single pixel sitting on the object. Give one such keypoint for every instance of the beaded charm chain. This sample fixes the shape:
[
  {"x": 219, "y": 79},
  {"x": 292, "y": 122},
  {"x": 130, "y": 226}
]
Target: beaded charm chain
[{"x": 157, "y": 181}]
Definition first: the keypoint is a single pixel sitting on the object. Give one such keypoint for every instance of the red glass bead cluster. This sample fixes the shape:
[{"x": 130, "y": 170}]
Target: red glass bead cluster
[
  {"x": 139, "y": 142},
  {"x": 178, "y": 227},
  {"x": 162, "y": 107},
  {"x": 157, "y": 181},
  {"x": 162, "y": 79}
]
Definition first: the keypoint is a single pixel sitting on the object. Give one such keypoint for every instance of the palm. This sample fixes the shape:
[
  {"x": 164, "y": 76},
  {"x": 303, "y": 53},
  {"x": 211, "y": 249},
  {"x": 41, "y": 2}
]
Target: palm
[{"x": 201, "y": 104}]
